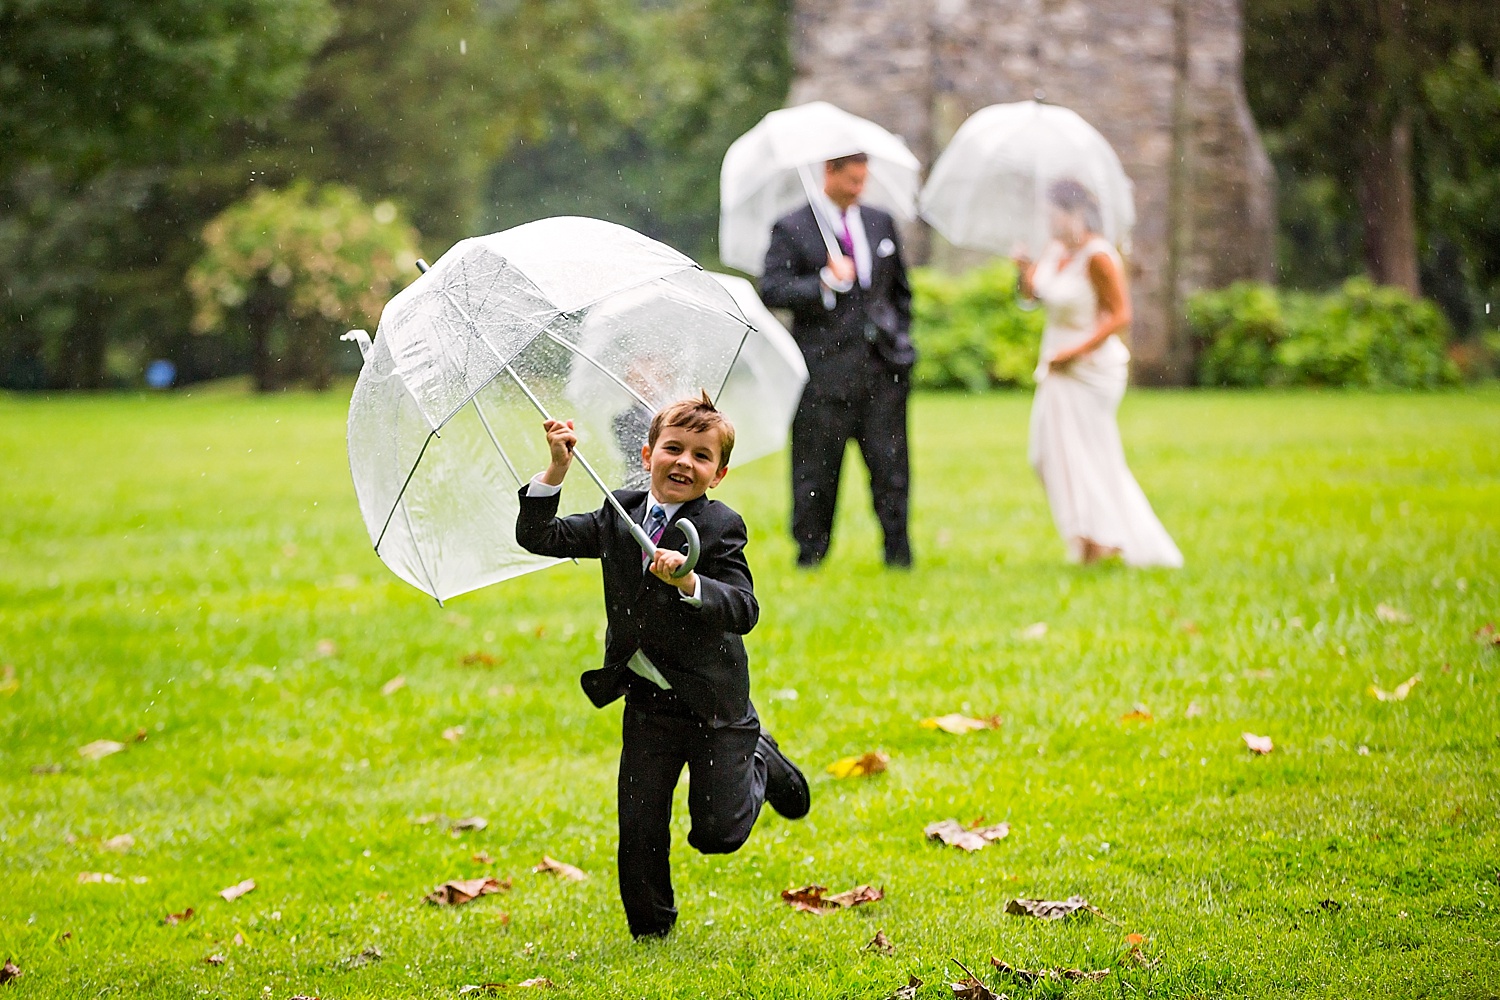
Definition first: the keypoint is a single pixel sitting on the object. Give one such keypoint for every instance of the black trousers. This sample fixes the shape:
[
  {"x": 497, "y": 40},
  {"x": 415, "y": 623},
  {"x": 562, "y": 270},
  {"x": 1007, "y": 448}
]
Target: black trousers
[
  {"x": 727, "y": 786},
  {"x": 874, "y": 415}
]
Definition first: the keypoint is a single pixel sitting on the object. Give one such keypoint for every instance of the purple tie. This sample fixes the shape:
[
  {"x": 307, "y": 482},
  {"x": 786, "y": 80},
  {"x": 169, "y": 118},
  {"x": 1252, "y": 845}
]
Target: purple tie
[{"x": 845, "y": 240}]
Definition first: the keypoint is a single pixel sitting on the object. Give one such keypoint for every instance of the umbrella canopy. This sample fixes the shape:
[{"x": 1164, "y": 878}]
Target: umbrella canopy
[
  {"x": 767, "y": 171},
  {"x": 445, "y": 424},
  {"x": 760, "y": 398},
  {"x": 988, "y": 191}
]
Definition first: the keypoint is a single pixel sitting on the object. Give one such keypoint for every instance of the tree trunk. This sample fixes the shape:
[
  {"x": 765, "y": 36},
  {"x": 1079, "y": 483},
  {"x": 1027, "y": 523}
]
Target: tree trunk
[
  {"x": 261, "y": 309},
  {"x": 1387, "y": 202},
  {"x": 80, "y": 362}
]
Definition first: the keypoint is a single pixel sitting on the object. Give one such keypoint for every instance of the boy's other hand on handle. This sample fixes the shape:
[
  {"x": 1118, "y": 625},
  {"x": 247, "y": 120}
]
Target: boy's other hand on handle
[
  {"x": 561, "y": 440},
  {"x": 668, "y": 562}
]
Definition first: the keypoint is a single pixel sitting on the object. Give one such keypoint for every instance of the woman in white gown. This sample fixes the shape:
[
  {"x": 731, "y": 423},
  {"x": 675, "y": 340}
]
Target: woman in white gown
[{"x": 1075, "y": 442}]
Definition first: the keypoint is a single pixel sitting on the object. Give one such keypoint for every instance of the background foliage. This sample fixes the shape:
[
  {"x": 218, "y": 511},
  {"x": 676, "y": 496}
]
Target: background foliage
[{"x": 971, "y": 331}]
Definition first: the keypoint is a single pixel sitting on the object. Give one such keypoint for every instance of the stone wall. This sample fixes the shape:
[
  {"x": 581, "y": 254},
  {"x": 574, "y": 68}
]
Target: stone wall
[{"x": 1161, "y": 79}]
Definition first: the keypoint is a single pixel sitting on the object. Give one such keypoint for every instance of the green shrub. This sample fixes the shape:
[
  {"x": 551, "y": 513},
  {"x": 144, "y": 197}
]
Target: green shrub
[
  {"x": 1360, "y": 335},
  {"x": 970, "y": 330}
]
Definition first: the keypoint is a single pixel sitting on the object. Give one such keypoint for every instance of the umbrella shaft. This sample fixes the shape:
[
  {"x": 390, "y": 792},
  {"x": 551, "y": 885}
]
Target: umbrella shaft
[{"x": 641, "y": 538}]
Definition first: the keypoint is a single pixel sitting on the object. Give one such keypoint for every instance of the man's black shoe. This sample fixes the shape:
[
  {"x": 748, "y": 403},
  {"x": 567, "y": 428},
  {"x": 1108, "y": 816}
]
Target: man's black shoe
[
  {"x": 808, "y": 561},
  {"x": 786, "y": 788}
]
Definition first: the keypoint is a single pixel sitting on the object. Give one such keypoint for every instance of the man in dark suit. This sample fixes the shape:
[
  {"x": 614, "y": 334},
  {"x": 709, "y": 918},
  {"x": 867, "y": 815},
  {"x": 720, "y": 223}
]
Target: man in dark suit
[
  {"x": 851, "y": 315},
  {"x": 673, "y": 651}
]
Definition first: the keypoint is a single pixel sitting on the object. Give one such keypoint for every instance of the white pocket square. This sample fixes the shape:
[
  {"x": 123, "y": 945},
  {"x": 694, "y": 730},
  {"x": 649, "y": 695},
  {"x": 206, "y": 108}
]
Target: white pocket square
[{"x": 886, "y": 248}]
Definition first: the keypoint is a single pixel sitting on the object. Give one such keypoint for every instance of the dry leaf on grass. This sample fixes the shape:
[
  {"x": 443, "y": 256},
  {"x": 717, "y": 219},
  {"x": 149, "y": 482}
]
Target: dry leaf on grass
[
  {"x": 100, "y": 749},
  {"x": 1399, "y": 693},
  {"x": 1259, "y": 744},
  {"x": 810, "y": 898},
  {"x": 482, "y": 858},
  {"x": 369, "y": 956},
  {"x": 87, "y": 877},
  {"x": 971, "y": 987},
  {"x": 880, "y": 943},
  {"x": 1392, "y": 615},
  {"x": 8, "y": 683},
  {"x": 958, "y": 724},
  {"x": 1488, "y": 634},
  {"x": 1048, "y": 909},
  {"x": 238, "y": 940},
  {"x": 326, "y": 648},
  {"x": 540, "y": 982},
  {"x": 120, "y": 843},
  {"x": 9, "y": 971},
  {"x": 866, "y": 764},
  {"x": 478, "y": 659},
  {"x": 1138, "y": 713},
  {"x": 453, "y": 734},
  {"x": 393, "y": 685},
  {"x": 237, "y": 890},
  {"x": 1037, "y": 630},
  {"x": 1193, "y": 710},
  {"x": 561, "y": 869},
  {"x": 459, "y": 891},
  {"x": 213, "y": 960},
  {"x": 1031, "y": 976},
  {"x": 173, "y": 919},
  {"x": 468, "y": 823},
  {"x": 47, "y": 769},
  {"x": 907, "y": 992},
  {"x": 970, "y": 838}
]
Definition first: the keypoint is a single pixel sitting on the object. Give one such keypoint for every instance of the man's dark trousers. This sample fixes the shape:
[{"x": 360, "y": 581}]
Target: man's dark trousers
[
  {"x": 873, "y": 413},
  {"x": 727, "y": 786}
]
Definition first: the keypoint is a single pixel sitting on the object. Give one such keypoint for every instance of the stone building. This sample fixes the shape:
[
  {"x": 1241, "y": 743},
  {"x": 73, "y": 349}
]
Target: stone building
[{"x": 1161, "y": 79}]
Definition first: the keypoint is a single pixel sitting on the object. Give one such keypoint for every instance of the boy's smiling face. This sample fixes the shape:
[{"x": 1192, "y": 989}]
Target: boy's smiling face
[{"x": 684, "y": 464}]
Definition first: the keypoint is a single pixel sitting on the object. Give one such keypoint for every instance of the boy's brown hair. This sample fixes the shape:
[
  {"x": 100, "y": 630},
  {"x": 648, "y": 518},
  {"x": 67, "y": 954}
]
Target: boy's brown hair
[{"x": 697, "y": 415}]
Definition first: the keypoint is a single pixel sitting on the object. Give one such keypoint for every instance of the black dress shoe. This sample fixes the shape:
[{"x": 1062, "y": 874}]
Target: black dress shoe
[
  {"x": 786, "y": 788},
  {"x": 808, "y": 561}
]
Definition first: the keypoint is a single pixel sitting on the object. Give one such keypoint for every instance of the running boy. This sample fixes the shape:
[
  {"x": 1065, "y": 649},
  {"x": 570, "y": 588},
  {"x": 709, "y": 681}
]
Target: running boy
[{"x": 673, "y": 651}]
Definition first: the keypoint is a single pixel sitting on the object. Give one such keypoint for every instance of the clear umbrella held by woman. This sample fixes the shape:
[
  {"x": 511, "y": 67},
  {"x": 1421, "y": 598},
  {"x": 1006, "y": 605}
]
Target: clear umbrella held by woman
[{"x": 1075, "y": 446}]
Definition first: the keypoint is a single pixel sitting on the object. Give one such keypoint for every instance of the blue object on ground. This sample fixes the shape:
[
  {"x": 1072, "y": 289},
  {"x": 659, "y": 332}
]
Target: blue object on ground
[{"x": 161, "y": 373}]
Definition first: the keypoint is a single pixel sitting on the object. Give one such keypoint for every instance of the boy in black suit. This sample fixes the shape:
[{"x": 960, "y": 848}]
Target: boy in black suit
[{"x": 673, "y": 651}]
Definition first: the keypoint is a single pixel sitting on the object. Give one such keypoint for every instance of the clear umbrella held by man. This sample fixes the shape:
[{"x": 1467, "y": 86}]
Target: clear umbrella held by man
[{"x": 851, "y": 316}]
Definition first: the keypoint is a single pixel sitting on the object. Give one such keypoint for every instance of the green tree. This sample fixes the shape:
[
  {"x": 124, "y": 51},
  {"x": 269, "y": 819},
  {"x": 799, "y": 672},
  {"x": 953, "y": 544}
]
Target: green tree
[{"x": 287, "y": 269}]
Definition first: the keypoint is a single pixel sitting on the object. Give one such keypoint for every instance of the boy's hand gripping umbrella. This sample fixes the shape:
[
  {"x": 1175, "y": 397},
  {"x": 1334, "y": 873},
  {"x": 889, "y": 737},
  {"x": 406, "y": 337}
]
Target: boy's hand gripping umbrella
[{"x": 564, "y": 312}]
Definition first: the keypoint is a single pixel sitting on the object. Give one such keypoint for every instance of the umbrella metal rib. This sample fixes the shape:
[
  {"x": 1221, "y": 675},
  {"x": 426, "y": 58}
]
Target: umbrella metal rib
[
  {"x": 605, "y": 371},
  {"x": 496, "y": 442}
]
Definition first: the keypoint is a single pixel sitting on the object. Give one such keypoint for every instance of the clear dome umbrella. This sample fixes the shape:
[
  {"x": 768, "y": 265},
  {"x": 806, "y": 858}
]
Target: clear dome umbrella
[
  {"x": 988, "y": 190},
  {"x": 504, "y": 330},
  {"x": 777, "y": 167}
]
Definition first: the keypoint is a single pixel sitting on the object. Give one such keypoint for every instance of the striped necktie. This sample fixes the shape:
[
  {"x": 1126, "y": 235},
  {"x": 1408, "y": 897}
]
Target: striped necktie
[{"x": 656, "y": 524}]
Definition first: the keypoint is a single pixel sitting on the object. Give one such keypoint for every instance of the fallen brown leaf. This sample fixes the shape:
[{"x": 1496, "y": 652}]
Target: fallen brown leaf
[
  {"x": 468, "y": 823},
  {"x": 121, "y": 843},
  {"x": 971, "y": 838},
  {"x": 393, "y": 685},
  {"x": 907, "y": 992},
  {"x": 1392, "y": 615},
  {"x": 369, "y": 956},
  {"x": 173, "y": 919},
  {"x": 47, "y": 769},
  {"x": 478, "y": 659},
  {"x": 1135, "y": 939},
  {"x": 866, "y": 764},
  {"x": 459, "y": 891},
  {"x": 86, "y": 877},
  {"x": 65, "y": 937},
  {"x": 1138, "y": 713},
  {"x": 1193, "y": 710},
  {"x": 1139, "y": 958},
  {"x": 238, "y": 940},
  {"x": 482, "y": 858},
  {"x": 9, "y": 971},
  {"x": 1031, "y": 976},
  {"x": 213, "y": 960},
  {"x": 1488, "y": 634},
  {"x": 427, "y": 818},
  {"x": 810, "y": 898},
  {"x": 453, "y": 734},
  {"x": 100, "y": 749},
  {"x": 237, "y": 890},
  {"x": 958, "y": 724},
  {"x": 1046, "y": 909},
  {"x": 326, "y": 648},
  {"x": 1399, "y": 693},
  {"x": 8, "y": 683},
  {"x": 880, "y": 943},
  {"x": 971, "y": 987},
  {"x": 540, "y": 982},
  {"x": 1259, "y": 744},
  {"x": 560, "y": 869},
  {"x": 140, "y": 736}
]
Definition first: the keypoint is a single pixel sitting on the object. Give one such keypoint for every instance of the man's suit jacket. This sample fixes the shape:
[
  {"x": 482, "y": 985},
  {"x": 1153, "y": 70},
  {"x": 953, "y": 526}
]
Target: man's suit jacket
[
  {"x": 698, "y": 650},
  {"x": 837, "y": 342}
]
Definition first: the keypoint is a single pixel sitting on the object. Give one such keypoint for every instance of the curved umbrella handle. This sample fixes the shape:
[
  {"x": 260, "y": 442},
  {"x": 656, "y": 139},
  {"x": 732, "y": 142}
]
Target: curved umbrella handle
[{"x": 693, "y": 545}]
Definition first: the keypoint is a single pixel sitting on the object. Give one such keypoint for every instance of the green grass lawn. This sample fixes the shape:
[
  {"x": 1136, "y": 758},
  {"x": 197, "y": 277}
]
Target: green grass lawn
[{"x": 193, "y": 569}]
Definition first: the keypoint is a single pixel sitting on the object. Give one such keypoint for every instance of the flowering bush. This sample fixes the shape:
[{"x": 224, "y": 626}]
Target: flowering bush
[{"x": 290, "y": 268}]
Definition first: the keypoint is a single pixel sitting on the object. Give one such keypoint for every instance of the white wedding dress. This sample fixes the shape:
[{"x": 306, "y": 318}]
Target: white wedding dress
[{"x": 1075, "y": 441}]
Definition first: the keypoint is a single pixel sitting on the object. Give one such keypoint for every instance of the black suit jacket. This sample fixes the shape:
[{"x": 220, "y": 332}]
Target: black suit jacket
[
  {"x": 837, "y": 343},
  {"x": 698, "y": 650}
]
